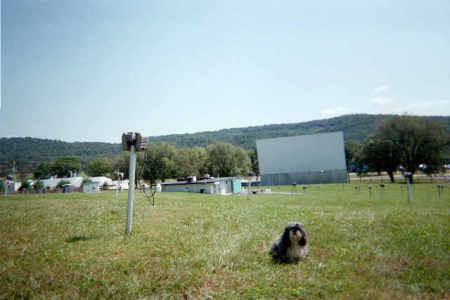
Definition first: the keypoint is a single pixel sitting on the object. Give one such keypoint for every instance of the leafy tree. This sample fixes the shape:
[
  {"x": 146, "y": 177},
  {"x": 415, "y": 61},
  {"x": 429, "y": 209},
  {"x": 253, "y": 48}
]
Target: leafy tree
[
  {"x": 158, "y": 162},
  {"x": 100, "y": 167},
  {"x": 381, "y": 155},
  {"x": 42, "y": 170},
  {"x": 65, "y": 165},
  {"x": 190, "y": 161},
  {"x": 352, "y": 149},
  {"x": 252, "y": 153},
  {"x": 224, "y": 159},
  {"x": 26, "y": 185},
  {"x": 121, "y": 163},
  {"x": 38, "y": 185},
  {"x": 415, "y": 140}
]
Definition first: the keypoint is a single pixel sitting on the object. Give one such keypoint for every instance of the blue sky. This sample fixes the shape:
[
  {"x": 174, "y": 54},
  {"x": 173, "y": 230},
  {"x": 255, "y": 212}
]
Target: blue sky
[{"x": 89, "y": 70}]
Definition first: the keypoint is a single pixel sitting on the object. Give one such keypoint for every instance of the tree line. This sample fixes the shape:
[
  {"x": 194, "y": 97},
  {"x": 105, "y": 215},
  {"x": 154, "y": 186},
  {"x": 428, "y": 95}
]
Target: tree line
[
  {"x": 400, "y": 143},
  {"x": 161, "y": 161},
  {"x": 26, "y": 153}
]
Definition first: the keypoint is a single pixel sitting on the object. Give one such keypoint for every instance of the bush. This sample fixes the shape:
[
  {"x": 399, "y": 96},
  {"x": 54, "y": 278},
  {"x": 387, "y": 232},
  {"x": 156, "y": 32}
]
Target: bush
[
  {"x": 26, "y": 185},
  {"x": 62, "y": 183},
  {"x": 86, "y": 181},
  {"x": 38, "y": 186}
]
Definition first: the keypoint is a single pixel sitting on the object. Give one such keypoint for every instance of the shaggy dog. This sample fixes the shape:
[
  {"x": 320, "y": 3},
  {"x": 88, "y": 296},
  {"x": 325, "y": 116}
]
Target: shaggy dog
[{"x": 292, "y": 245}]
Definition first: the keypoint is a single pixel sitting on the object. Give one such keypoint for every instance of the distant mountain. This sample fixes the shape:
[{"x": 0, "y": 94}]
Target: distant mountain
[
  {"x": 355, "y": 127},
  {"x": 28, "y": 152}
]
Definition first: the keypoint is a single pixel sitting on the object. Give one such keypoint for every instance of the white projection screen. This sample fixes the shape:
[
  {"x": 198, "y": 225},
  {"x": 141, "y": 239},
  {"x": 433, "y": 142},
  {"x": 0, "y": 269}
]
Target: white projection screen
[{"x": 303, "y": 159}]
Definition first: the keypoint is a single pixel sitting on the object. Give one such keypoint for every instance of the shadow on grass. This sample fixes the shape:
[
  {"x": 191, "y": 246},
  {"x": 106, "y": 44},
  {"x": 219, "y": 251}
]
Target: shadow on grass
[
  {"x": 79, "y": 238},
  {"x": 277, "y": 261}
]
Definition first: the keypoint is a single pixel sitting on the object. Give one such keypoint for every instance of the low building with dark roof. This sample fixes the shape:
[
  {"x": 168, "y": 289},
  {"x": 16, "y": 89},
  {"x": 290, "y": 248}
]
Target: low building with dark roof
[{"x": 219, "y": 186}]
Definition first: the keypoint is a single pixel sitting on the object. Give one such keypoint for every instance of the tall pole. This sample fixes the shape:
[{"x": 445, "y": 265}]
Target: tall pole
[{"x": 132, "y": 173}]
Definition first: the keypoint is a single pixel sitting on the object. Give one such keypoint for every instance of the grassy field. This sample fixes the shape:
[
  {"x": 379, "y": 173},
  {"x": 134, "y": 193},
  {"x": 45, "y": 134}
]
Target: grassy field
[{"x": 202, "y": 246}]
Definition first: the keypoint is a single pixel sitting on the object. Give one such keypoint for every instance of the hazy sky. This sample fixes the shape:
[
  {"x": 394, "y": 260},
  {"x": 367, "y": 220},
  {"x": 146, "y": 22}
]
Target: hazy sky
[{"x": 88, "y": 70}]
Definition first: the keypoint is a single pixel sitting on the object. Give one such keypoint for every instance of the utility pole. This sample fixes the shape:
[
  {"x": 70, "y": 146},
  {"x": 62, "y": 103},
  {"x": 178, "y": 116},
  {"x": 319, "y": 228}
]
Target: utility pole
[
  {"x": 131, "y": 141},
  {"x": 132, "y": 173}
]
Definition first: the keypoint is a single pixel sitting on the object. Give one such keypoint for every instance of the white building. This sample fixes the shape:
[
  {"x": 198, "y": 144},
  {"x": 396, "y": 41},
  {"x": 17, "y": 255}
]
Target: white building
[
  {"x": 13, "y": 186},
  {"x": 53, "y": 182},
  {"x": 219, "y": 186},
  {"x": 91, "y": 187},
  {"x": 119, "y": 184}
]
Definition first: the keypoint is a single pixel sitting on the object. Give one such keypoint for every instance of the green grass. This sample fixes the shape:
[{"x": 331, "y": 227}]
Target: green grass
[{"x": 200, "y": 246}]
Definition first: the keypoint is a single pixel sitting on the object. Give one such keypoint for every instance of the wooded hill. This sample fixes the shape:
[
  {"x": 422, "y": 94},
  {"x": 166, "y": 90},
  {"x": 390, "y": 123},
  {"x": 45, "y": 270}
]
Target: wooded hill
[
  {"x": 28, "y": 152},
  {"x": 355, "y": 127}
]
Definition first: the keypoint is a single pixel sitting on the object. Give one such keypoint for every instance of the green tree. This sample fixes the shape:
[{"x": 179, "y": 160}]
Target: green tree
[
  {"x": 352, "y": 149},
  {"x": 190, "y": 161},
  {"x": 26, "y": 186},
  {"x": 381, "y": 155},
  {"x": 38, "y": 185},
  {"x": 42, "y": 170},
  {"x": 121, "y": 163},
  {"x": 65, "y": 165},
  {"x": 415, "y": 140},
  {"x": 158, "y": 162},
  {"x": 100, "y": 167},
  {"x": 253, "y": 155},
  {"x": 224, "y": 159}
]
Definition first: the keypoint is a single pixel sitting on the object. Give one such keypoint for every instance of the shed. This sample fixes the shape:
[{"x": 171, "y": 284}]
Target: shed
[{"x": 91, "y": 187}]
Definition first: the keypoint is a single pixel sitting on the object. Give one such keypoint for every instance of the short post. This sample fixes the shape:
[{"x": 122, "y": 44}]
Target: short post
[
  {"x": 131, "y": 141},
  {"x": 382, "y": 190},
  {"x": 408, "y": 176},
  {"x": 294, "y": 188},
  {"x": 117, "y": 186},
  {"x": 370, "y": 191},
  {"x": 250, "y": 175},
  {"x": 5, "y": 188},
  {"x": 440, "y": 188}
]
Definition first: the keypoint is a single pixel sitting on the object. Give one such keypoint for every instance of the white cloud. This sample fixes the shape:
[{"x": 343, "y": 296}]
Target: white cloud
[
  {"x": 386, "y": 105},
  {"x": 334, "y": 111},
  {"x": 382, "y": 100},
  {"x": 381, "y": 89},
  {"x": 435, "y": 108}
]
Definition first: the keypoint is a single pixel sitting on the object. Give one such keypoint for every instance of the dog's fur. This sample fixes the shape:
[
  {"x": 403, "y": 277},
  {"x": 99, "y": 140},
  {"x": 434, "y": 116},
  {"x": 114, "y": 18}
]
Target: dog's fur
[{"x": 292, "y": 245}]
